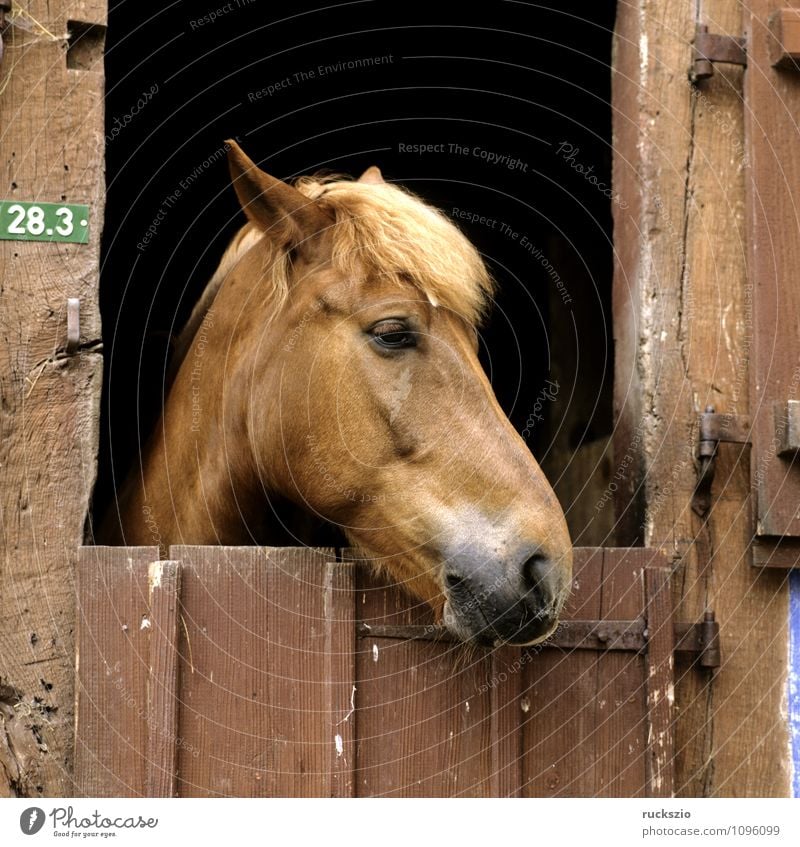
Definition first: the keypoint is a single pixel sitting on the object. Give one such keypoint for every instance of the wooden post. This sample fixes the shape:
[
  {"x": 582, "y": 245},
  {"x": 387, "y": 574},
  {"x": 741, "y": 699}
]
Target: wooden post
[
  {"x": 51, "y": 150},
  {"x": 682, "y": 314}
]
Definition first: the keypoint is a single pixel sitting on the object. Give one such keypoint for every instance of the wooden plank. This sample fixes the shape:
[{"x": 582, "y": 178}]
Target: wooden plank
[
  {"x": 434, "y": 719},
  {"x": 773, "y": 220},
  {"x": 622, "y": 689},
  {"x": 680, "y": 166},
  {"x": 163, "y": 585},
  {"x": 114, "y": 619},
  {"x": 660, "y": 675},
  {"x": 559, "y": 700},
  {"x": 51, "y": 149},
  {"x": 266, "y": 674}
]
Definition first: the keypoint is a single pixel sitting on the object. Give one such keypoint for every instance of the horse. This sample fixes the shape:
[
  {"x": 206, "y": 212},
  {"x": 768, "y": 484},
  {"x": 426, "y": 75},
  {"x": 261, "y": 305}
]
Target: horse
[{"x": 331, "y": 367}]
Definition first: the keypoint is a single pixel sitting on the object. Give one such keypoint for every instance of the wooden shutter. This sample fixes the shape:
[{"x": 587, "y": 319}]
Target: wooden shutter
[{"x": 772, "y": 107}]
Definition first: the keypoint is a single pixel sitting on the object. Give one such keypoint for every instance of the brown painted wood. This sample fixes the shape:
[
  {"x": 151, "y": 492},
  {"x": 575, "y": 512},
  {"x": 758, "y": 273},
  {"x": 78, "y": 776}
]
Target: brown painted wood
[
  {"x": 622, "y": 718},
  {"x": 241, "y": 675},
  {"x": 773, "y": 220},
  {"x": 115, "y": 625},
  {"x": 50, "y": 149},
  {"x": 163, "y": 584},
  {"x": 429, "y": 720},
  {"x": 559, "y": 701},
  {"x": 660, "y": 677},
  {"x": 266, "y": 673}
]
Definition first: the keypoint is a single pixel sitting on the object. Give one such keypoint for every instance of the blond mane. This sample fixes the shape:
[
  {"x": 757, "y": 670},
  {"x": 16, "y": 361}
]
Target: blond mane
[{"x": 380, "y": 229}]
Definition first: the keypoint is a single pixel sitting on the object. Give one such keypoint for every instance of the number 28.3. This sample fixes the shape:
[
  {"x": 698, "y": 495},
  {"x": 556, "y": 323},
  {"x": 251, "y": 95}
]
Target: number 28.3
[{"x": 33, "y": 218}]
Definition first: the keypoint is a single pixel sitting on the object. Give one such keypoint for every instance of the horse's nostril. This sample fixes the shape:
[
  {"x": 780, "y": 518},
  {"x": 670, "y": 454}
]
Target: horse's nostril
[
  {"x": 452, "y": 581},
  {"x": 535, "y": 575}
]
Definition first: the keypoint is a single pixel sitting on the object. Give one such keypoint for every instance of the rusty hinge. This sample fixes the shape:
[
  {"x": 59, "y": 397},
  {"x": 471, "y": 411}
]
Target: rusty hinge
[
  {"x": 710, "y": 48},
  {"x": 715, "y": 428},
  {"x": 700, "y": 640}
]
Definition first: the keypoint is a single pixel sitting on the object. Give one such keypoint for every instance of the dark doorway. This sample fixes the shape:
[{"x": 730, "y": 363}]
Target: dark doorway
[{"x": 498, "y": 115}]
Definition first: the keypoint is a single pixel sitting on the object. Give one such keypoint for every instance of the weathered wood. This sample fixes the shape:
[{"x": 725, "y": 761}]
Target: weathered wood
[
  {"x": 684, "y": 335},
  {"x": 773, "y": 221},
  {"x": 265, "y": 706},
  {"x": 163, "y": 584},
  {"x": 660, "y": 762},
  {"x": 112, "y": 657},
  {"x": 51, "y": 149}
]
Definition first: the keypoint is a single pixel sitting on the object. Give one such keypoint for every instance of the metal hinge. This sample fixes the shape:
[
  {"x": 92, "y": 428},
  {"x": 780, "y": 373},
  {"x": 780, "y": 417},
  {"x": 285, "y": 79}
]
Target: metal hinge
[
  {"x": 715, "y": 428},
  {"x": 710, "y": 48},
  {"x": 699, "y": 640}
]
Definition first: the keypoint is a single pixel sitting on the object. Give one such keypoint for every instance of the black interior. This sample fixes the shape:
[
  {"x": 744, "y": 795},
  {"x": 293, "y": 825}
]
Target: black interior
[{"x": 529, "y": 82}]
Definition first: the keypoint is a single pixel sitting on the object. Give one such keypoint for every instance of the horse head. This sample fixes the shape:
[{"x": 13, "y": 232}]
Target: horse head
[{"x": 368, "y": 406}]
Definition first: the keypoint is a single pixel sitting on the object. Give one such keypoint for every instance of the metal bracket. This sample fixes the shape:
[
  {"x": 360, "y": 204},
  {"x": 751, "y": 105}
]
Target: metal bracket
[
  {"x": 700, "y": 640},
  {"x": 715, "y": 428},
  {"x": 73, "y": 324},
  {"x": 710, "y": 48}
]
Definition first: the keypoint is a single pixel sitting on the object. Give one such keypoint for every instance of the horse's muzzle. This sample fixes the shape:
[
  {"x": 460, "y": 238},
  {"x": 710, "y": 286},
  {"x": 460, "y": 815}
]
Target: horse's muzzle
[{"x": 489, "y": 605}]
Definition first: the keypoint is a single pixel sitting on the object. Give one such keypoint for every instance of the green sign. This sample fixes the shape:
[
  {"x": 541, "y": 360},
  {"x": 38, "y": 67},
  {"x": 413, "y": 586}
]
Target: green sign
[{"x": 60, "y": 222}]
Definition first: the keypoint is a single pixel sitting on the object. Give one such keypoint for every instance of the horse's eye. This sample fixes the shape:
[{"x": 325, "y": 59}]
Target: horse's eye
[{"x": 393, "y": 335}]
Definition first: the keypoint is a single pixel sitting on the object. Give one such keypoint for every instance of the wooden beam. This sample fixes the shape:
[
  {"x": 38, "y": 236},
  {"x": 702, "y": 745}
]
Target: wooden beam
[
  {"x": 51, "y": 149},
  {"x": 682, "y": 315}
]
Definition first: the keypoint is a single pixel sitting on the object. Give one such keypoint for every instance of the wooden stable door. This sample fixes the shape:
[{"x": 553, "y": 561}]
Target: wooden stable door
[
  {"x": 772, "y": 107},
  {"x": 288, "y": 672}
]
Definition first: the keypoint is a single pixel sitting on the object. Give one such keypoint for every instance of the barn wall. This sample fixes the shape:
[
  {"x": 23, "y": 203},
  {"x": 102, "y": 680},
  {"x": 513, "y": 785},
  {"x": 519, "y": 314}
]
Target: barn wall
[
  {"x": 51, "y": 150},
  {"x": 682, "y": 321}
]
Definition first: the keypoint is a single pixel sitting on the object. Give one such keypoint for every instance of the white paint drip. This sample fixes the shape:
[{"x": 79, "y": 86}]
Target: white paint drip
[
  {"x": 374, "y": 652},
  {"x": 339, "y": 745}
]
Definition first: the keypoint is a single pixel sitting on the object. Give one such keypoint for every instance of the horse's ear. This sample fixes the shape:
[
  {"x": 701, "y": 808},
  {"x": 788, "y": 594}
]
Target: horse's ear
[
  {"x": 272, "y": 204},
  {"x": 372, "y": 176}
]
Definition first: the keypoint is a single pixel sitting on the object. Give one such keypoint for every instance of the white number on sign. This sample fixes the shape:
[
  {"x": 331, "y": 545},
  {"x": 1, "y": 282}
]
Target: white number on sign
[
  {"x": 35, "y": 220},
  {"x": 65, "y": 227},
  {"x": 14, "y": 226}
]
